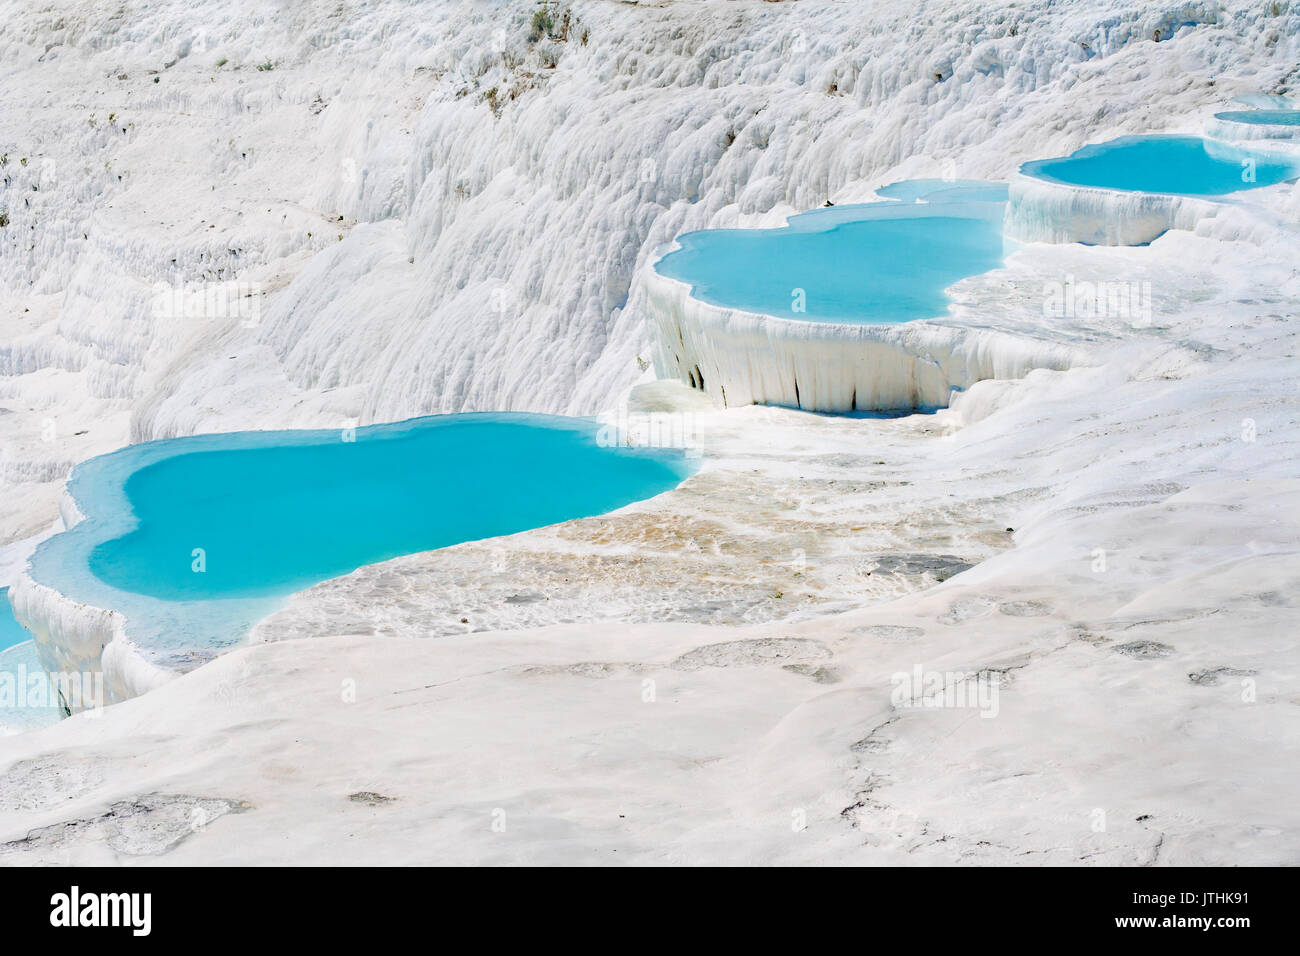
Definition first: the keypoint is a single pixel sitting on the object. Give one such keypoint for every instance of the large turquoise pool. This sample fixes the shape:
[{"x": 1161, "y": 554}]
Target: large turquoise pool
[
  {"x": 863, "y": 264},
  {"x": 194, "y": 539},
  {"x": 1182, "y": 165}
]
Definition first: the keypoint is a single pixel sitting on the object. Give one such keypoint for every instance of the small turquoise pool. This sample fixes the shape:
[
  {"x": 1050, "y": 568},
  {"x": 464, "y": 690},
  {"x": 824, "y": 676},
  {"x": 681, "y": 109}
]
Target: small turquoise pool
[
  {"x": 866, "y": 264},
  {"x": 28, "y": 700},
  {"x": 195, "y": 539},
  {"x": 1261, "y": 117},
  {"x": 1181, "y": 165},
  {"x": 11, "y": 632}
]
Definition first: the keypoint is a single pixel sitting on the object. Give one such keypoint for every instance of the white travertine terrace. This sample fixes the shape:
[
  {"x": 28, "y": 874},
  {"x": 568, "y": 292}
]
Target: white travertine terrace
[
  {"x": 743, "y": 358},
  {"x": 1126, "y": 684},
  {"x": 1043, "y": 211},
  {"x": 1224, "y": 126}
]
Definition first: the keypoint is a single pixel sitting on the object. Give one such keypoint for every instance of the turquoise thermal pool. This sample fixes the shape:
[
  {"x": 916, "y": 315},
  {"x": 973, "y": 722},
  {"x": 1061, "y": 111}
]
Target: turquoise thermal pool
[
  {"x": 11, "y": 632},
  {"x": 195, "y": 539},
  {"x": 868, "y": 264},
  {"x": 26, "y": 702},
  {"x": 1180, "y": 165},
  {"x": 1261, "y": 117}
]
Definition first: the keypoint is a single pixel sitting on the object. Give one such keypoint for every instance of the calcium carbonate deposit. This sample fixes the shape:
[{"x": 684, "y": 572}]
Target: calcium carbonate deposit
[{"x": 1013, "y": 581}]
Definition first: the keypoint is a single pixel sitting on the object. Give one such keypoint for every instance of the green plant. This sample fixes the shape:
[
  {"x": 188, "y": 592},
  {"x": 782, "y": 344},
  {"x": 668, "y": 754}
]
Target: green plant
[
  {"x": 543, "y": 24},
  {"x": 266, "y": 67},
  {"x": 222, "y": 62},
  {"x": 4, "y": 219}
]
